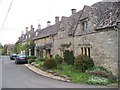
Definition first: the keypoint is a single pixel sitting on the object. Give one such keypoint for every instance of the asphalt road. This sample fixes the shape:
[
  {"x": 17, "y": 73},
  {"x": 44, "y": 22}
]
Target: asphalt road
[{"x": 19, "y": 76}]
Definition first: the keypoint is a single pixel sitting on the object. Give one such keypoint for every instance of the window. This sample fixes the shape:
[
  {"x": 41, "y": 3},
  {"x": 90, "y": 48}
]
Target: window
[
  {"x": 82, "y": 50},
  {"x": 89, "y": 52},
  {"x": 85, "y": 26},
  {"x": 85, "y": 51}
]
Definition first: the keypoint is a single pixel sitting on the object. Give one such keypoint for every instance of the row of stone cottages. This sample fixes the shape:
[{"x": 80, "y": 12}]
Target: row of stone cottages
[{"x": 90, "y": 31}]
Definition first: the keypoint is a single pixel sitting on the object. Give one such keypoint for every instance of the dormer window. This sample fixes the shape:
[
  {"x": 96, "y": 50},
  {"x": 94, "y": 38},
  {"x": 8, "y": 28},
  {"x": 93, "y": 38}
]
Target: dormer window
[{"x": 85, "y": 25}]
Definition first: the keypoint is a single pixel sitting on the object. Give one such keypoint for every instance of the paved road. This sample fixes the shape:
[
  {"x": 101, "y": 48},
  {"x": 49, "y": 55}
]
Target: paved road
[{"x": 18, "y": 76}]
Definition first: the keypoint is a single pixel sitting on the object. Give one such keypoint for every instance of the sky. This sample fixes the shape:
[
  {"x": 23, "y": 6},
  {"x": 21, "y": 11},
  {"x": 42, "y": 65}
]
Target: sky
[{"x": 24, "y": 13}]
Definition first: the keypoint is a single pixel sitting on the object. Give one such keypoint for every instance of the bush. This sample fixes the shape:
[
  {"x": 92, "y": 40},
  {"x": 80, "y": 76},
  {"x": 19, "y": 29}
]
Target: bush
[
  {"x": 39, "y": 60},
  {"x": 97, "y": 80},
  {"x": 83, "y": 62},
  {"x": 58, "y": 59},
  {"x": 31, "y": 57},
  {"x": 31, "y": 60},
  {"x": 50, "y": 63},
  {"x": 69, "y": 57},
  {"x": 99, "y": 71}
]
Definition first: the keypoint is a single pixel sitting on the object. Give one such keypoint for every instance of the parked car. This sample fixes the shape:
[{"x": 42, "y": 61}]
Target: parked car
[
  {"x": 21, "y": 58},
  {"x": 13, "y": 56}
]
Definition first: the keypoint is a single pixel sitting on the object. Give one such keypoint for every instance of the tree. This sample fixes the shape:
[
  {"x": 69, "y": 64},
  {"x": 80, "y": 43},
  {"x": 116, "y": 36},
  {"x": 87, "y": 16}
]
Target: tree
[{"x": 5, "y": 49}]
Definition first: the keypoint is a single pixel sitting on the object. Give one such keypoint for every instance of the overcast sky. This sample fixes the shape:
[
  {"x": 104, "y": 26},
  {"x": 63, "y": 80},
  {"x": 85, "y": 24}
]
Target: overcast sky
[{"x": 31, "y": 12}]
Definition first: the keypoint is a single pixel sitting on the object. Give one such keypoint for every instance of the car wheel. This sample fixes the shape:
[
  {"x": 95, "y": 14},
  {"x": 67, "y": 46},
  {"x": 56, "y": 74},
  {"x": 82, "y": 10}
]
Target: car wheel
[{"x": 16, "y": 62}]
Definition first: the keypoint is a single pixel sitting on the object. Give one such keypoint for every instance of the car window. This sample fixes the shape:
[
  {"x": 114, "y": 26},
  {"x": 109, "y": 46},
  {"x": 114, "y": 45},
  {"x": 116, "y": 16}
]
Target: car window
[{"x": 21, "y": 56}]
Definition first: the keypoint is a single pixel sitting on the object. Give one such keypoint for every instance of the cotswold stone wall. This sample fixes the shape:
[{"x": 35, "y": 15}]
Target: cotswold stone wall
[
  {"x": 103, "y": 48},
  {"x": 59, "y": 41}
]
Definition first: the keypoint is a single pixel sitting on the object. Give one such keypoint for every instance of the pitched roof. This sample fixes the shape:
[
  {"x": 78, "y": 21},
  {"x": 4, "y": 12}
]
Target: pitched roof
[
  {"x": 50, "y": 30},
  {"x": 105, "y": 14},
  {"x": 74, "y": 19}
]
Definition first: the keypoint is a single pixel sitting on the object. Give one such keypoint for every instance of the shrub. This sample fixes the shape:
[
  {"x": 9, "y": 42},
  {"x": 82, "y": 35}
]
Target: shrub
[
  {"x": 58, "y": 59},
  {"x": 31, "y": 57},
  {"x": 98, "y": 73},
  {"x": 97, "y": 80},
  {"x": 39, "y": 60},
  {"x": 31, "y": 60},
  {"x": 83, "y": 62},
  {"x": 50, "y": 63},
  {"x": 69, "y": 57}
]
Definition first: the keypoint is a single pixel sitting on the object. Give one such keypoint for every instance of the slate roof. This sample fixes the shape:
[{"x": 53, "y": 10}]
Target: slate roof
[
  {"x": 105, "y": 14},
  {"x": 74, "y": 19},
  {"x": 50, "y": 30}
]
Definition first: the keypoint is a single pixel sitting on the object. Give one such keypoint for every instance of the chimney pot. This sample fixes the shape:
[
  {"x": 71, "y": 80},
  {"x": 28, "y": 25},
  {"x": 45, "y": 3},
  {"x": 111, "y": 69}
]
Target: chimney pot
[
  {"x": 26, "y": 29},
  {"x": 22, "y": 32},
  {"x": 73, "y": 11},
  {"x": 39, "y": 26},
  {"x": 32, "y": 27},
  {"x": 48, "y": 23},
  {"x": 57, "y": 19}
]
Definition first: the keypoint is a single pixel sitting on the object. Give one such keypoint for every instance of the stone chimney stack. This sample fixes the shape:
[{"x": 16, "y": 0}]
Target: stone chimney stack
[
  {"x": 26, "y": 28},
  {"x": 57, "y": 19},
  {"x": 48, "y": 23},
  {"x": 39, "y": 26},
  {"x": 73, "y": 11},
  {"x": 32, "y": 29},
  {"x": 22, "y": 33}
]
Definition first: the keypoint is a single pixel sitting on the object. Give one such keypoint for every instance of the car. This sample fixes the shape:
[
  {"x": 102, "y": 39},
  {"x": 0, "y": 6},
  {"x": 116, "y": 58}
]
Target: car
[
  {"x": 21, "y": 58},
  {"x": 13, "y": 56}
]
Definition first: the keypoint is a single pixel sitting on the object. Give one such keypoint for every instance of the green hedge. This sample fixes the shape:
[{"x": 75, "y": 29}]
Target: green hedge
[
  {"x": 31, "y": 60},
  {"x": 69, "y": 57},
  {"x": 31, "y": 57},
  {"x": 83, "y": 62},
  {"x": 58, "y": 59},
  {"x": 50, "y": 63}
]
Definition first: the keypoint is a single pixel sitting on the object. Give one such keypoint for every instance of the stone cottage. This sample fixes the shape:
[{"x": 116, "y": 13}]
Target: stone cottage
[
  {"x": 96, "y": 36},
  {"x": 90, "y": 31},
  {"x": 45, "y": 40}
]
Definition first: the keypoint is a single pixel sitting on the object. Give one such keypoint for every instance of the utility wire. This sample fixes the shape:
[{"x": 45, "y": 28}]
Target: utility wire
[{"x": 6, "y": 15}]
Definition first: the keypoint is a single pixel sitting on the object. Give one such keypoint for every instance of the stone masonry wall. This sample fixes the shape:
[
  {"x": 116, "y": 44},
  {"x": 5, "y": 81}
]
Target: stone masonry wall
[{"x": 103, "y": 48}]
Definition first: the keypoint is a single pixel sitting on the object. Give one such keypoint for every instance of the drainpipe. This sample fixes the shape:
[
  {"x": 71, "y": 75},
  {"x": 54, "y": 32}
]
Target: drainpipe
[
  {"x": 118, "y": 45},
  {"x": 118, "y": 50}
]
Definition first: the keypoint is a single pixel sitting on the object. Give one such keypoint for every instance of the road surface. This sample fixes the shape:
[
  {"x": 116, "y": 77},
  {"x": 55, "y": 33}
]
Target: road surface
[{"x": 19, "y": 76}]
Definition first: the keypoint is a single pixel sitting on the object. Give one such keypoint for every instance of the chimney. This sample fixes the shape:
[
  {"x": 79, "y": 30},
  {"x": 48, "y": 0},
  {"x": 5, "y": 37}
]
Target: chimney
[
  {"x": 73, "y": 11},
  {"x": 22, "y": 33},
  {"x": 56, "y": 19},
  {"x": 48, "y": 23},
  {"x": 26, "y": 28},
  {"x": 32, "y": 28},
  {"x": 39, "y": 26}
]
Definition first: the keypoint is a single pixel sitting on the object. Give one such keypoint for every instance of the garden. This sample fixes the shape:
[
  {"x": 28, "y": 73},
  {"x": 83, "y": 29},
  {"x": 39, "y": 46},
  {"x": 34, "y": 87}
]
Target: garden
[{"x": 80, "y": 69}]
